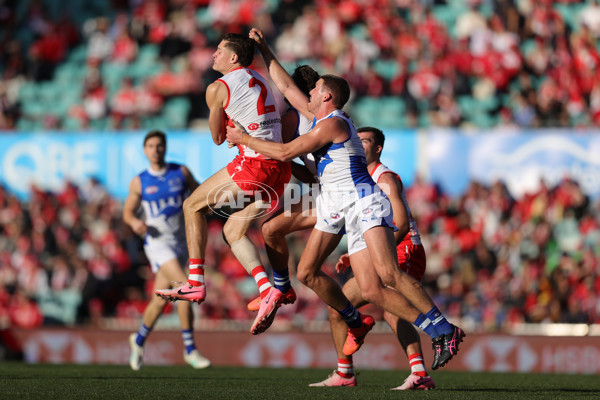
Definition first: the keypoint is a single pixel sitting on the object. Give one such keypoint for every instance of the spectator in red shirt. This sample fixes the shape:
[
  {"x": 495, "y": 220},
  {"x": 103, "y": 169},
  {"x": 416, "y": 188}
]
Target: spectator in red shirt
[
  {"x": 124, "y": 48},
  {"x": 24, "y": 312},
  {"x": 46, "y": 53},
  {"x": 124, "y": 105}
]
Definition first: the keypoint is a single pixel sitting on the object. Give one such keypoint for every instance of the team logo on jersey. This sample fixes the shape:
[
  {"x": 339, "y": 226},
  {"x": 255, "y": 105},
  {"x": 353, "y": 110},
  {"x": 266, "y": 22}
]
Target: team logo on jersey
[
  {"x": 367, "y": 211},
  {"x": 151, "y": 189},
  {"x": 253, "y": 127},
  {"x": 175, "y": 185},
  {"x": 334, "y": 215}
]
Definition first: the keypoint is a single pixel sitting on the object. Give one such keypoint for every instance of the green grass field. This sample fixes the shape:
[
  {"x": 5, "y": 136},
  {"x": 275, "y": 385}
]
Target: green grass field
[{"x": 22, "y": 381}]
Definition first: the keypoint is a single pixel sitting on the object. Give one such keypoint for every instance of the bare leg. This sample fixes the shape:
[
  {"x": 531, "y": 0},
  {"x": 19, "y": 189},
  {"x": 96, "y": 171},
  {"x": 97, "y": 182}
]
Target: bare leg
[
  {"x": 195, "y": 207},
  {"x": 406, "y": 333},
  {"x": 319, "y": 246},
  {"x": 339, "y": 329},
  {"x": 235, "y": 233},
  {"x": 374, "y": 292},
  {"x": 382, "y": 251},
  {"x": 168, "y": 272},
  {"x": 279, "y": 226}
]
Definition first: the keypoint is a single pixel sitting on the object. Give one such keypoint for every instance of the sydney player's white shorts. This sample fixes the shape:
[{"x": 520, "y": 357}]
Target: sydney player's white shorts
[
  {"x": 344, "y": 212},
  {"x": 159, "y": 251}
]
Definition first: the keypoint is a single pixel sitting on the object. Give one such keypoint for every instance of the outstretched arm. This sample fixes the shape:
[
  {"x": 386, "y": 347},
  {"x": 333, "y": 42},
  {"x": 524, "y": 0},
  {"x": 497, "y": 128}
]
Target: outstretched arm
[
  {"x": 330, "y": 130},
  {"x": 279, "y": 75}
]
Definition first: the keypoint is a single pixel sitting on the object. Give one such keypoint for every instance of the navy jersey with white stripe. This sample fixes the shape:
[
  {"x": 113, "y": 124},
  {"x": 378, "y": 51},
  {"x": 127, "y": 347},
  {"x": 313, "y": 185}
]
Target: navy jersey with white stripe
[
  {"x": 162, "y": 199},
  {"x": 343, "y": 166}
]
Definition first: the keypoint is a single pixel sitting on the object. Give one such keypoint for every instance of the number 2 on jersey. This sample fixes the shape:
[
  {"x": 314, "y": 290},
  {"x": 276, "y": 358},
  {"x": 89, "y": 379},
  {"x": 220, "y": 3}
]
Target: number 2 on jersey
[{"x": 261, "y": 107}]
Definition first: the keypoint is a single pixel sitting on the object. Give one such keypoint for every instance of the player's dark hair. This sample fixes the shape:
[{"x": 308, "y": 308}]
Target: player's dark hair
[
  {"x": 378, "y": 136},
  {"x": 156, "y": 133},
  {"x": 305, "y": 78},
  {"x": 339, "y": 88},
  {"x": 242, "y": 46}
]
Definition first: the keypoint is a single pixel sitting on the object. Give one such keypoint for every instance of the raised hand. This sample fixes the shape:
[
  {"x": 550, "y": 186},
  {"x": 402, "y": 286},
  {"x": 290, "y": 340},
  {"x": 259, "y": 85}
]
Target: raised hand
[
  {"x": 257, "y": 36},
  {"x": 343, "y": 263}
]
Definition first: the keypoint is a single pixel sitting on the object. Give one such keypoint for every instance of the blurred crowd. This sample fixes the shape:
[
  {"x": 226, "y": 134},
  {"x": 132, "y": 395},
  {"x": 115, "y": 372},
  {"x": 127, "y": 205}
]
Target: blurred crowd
[
  {"x": 518, "y": 63},
  {"x": 492, "y": 260}
]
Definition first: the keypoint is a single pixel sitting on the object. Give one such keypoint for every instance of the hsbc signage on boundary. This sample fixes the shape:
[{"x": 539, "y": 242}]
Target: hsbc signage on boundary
[
  {"x": 80, "y": 347},
  {"x": 500, "y": 354},
  {"x": 492, "y": 353}
]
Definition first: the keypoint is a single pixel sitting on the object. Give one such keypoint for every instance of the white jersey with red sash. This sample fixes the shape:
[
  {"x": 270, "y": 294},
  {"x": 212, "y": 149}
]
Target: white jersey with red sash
[
  {"x": 252, "y": 104},
  {"x": 411, "y": 254},
  {"x": 413, "y": 234}
]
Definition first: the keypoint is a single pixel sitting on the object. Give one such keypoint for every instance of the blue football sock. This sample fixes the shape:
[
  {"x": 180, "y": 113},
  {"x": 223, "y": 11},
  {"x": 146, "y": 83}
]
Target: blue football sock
[
  {"x": 351, "y": 316},
  {"x": 142, "y": 334},
  {"x": 423, "y": 323},
  {"x": 188, "y": 340},
  {"x": 281, "y": 279},
  {"x": 441, "y": 324}
]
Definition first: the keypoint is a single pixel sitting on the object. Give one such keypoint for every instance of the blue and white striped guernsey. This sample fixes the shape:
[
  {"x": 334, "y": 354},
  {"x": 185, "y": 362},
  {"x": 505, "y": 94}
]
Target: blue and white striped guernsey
[
  {"x": 343, "y": 166},
  {"x": 162, "y": 199}
]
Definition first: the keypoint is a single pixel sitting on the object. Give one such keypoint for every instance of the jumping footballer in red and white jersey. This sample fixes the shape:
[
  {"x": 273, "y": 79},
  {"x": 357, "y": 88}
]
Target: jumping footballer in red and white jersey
[{"x": 244, "y": 96}]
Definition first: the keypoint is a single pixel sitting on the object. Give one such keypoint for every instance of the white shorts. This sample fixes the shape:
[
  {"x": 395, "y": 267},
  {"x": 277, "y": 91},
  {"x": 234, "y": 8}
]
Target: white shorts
[
  {"x": 337, "y": 215},
  {"x": 159, "y": 251}
]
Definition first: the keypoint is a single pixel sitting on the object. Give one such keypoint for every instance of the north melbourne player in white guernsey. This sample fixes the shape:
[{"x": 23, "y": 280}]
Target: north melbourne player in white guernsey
[{"x": 411, "y": 259}]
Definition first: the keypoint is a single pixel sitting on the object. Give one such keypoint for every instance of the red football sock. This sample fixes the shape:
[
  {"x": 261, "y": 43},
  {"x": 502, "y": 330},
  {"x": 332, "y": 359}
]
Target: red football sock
[
  {"x": 345, "y": 368},
  {"x": 196, "y": 275},
  {"x": 417, "y": 366},
  {"x": 262, "y": 280}
]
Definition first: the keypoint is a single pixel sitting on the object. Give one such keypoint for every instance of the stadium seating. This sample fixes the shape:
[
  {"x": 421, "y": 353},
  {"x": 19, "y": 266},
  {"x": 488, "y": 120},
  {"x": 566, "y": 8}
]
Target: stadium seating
[{"x": 40, "y": 100}]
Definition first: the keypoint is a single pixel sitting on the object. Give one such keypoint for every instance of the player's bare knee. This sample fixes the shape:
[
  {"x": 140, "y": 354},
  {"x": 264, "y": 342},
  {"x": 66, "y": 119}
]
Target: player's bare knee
[
  {"x": 417, "y": 284},
  {"x": 388, "y": 279},
  {"x": 231, "y": 233},
  {"x": 413, "y": 282},
  {"x": 158, "y": 302},
  {"x": 191, "y": 206},
  {"x": 269, "y": 231},
  {"x": 188, "y": 206},
  {"x": 305, "y": 277},
  {"x": 334, "y": 315},
  {"x": 372, "y": 295}
]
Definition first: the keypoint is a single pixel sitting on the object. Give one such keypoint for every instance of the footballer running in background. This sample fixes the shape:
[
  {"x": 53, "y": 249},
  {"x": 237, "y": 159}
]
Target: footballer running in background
[{"x": 160, "y": 191}]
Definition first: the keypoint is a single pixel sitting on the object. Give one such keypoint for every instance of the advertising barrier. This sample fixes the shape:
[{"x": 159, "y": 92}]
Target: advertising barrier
[
  {"x": 519, "y": 159},
  {"x": 493, "y": 353},
  {"x": 50, "y": 159},
  {"x": 450, "y": 158}
]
